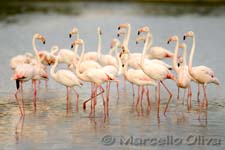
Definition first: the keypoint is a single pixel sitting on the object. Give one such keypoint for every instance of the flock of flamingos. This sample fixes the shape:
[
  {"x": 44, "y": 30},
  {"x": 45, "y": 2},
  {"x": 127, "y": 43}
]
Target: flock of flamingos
[{"x": 145, "y": 69}]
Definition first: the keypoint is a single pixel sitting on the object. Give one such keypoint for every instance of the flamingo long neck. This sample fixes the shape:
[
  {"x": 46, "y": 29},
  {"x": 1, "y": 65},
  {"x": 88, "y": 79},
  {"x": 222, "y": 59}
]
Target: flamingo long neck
[
  {"x": 115, "y": 48},
  {"x": 147, "y": 41},
  {"x": 79, "y": 62},
  {"x": 151, "y": 41},
  {"x": 36, "y": 51},
  {"x": 75, "y": 50},
  {"x": 191, "y": 55},
  {"x": 185, "y": 56},
  {"x": 99, "y": 45},
  {"x": 52, "y": 71},
  {"x": 78, "y": 35},
  {"x": 175, "y": 56},
  {"x": 127, "y": 38}
]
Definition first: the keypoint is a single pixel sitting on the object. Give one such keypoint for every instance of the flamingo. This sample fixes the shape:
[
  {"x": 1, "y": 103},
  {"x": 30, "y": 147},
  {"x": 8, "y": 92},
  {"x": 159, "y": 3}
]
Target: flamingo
[
  {"x": 202, "y": 74},
  {"x": 183, "y": 77},
  {"x": 157, "y": 72},
  {"x": 89, "y": 55},
  {"x": 22, "y": 73},
  {"x": 20, "y": 59},
  {"x": 155, "y": 52},
  {"x": 47, "y": 59},
  {"x": 66, "y": 78},
  {"x": 113, "y": 69},
  {"x": 139, "y": 78},
  {"x": 105, "y": 59},
  {"x": 67, "y": 56},
  {"x": 25, "y": 72},
  {"x": 88, "y": 63},
  {"x": 93, "y": 75}
]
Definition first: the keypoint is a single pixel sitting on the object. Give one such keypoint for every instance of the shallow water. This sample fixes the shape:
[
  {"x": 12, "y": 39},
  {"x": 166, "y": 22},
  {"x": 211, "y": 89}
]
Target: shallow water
[{"x": 52, "y": 127}]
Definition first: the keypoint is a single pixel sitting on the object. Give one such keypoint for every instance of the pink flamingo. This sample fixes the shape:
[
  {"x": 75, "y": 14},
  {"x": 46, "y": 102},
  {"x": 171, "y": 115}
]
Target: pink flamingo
[
  {"x": 66, "y": 78},
  {"x": 93, "y": 75},
  {"x": 139, "y": 78},
  {"x": 155, "y": 52},
  {"x": 183, "y": 77},
  {"x": 157, "y": 72},
  {"x": 25, "y": 72},
  {"x": 20, "y": 59},
  {"x": 202, "y": 74}
]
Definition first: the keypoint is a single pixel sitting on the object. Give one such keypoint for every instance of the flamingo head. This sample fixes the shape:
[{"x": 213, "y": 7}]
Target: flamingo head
[
  {"x": 124, "y": 25},
  {"x": 121, "y": 32},
  {"x": 74, "y": 31},
  {"x": 172, "y": 39},
  {"x": 140, "y": 38},
  {"x": 99, "y": 31},
  {"x": 143, "y": 29},
  {"x": 40, "y": 37},
  {"x": 183, "y": 45},
  {"x": 77, "y": 42},
  {"x": 188, "y": 34},
  {"x": 114, "y": 43}
]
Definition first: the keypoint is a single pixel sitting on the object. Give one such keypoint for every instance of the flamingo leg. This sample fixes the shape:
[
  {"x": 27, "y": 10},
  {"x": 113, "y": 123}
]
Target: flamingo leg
[
  {"x": 148, "y": 98},
  {"x": 22, "y": 98},
  {"x": 124, "y": 82},
  {"x": 158, "y": 98},
  {"x": 198, "y": 95},
  {"x": 35, "y": 94},
  {"x": 156, "y": 94},
  {"x": 142, "y": 94},
  {"x": 190, "y": 96},
  {"x": 138, "y": 98},
  {"x": 77, "y": 97},
  {"x": 205, "y": 95},
  {"x": 17, "y": 101},
  {"x": 184, "y": 97},
  {"x": 170, "y": 97},
  {"x": 67, "y": 100},
  {"x": 93, "y": 96},
  {"x": 178, "y": 94}
]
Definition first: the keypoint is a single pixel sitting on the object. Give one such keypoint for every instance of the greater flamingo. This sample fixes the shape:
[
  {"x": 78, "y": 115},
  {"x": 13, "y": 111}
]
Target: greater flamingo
[
  {"x": 183, "y": 77},
  {"x": 157, "y": 72},
  {"x": 66, "y": 78},
  {"x": 93, "y": 75},
  {"x": 202, "y": 74},
  {"x": 155, "y": 52},
  {"x": 20, "y": 59},
  {"x": 25, "y": 72},
  {"x": 139, "y": 78}
]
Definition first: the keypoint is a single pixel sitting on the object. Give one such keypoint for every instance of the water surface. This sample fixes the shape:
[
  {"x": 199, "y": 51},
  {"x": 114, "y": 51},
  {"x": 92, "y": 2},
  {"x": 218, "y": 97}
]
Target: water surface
[{"x": 51, "y": 127}]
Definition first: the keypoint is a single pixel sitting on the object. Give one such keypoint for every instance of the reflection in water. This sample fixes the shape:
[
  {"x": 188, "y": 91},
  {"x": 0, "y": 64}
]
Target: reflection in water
[{"x": 19, "y": 129}]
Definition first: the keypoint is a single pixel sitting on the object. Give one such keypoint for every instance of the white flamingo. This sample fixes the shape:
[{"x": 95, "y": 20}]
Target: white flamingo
[
  {"x": 25, "y": 72},
  {"x": 93, "y": 75},
  {"x": 139, "y": 78},
  {"x": 66, "y": 78},
  {"x": 202, "y": 74},
  {"x": 155, "y": 52},
  {"x": 157, "y": 72},
  {"x": 183, "y": 77},
  {"x": 20, "y": 59}
]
